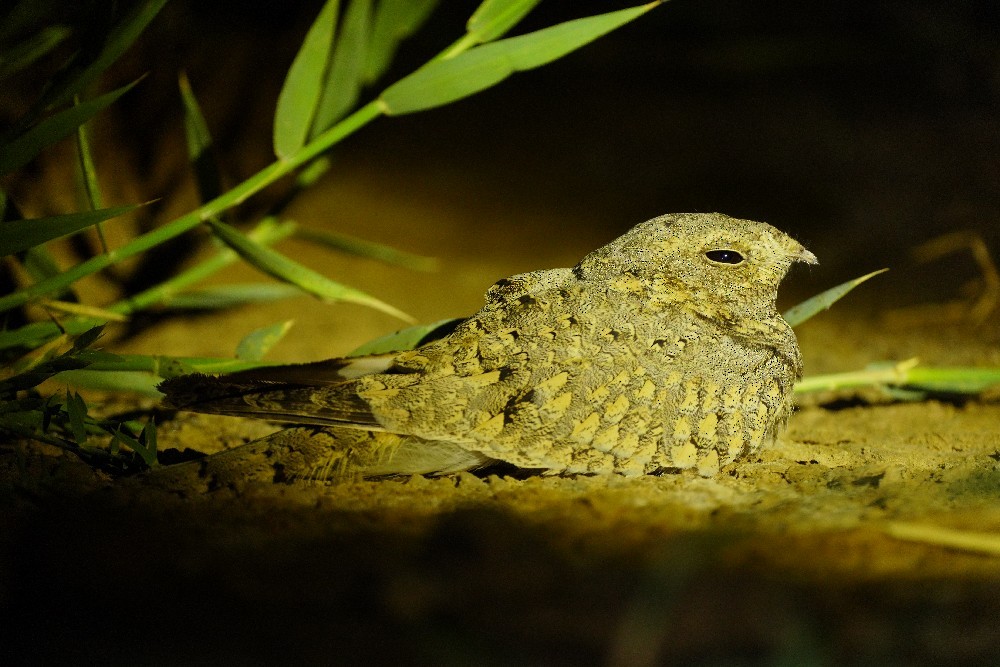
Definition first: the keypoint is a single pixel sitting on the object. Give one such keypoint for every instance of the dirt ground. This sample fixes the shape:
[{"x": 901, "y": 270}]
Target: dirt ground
[
  {"x": 800, "y": 554},
  {"x": 825, "y": 549}
]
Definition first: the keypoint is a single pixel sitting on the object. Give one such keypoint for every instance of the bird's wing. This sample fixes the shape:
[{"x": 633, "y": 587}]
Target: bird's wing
[{"x": 314, "y": 393}]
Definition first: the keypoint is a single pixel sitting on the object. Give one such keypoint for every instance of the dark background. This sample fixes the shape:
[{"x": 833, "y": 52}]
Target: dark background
[{"x": 863, "y": 128}]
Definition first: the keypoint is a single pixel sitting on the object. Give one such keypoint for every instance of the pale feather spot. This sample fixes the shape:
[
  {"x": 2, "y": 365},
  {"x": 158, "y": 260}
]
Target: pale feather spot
[
  {"x": 606, "y": 439},
  {"x": 684, "y": 455},
  {"x": 707, "y": 427},
  {"x": 584, "y": 431},
  {"x": 558, "y": 405},
  {"x": 491, "y": 428},
  {"x": 708, "y": 466},
  {"x": 646, "y": 391},
  {"x": 682, "y": 429},
  {"x": 553, "y": 384},
  {"x": 614, "y": 412}
]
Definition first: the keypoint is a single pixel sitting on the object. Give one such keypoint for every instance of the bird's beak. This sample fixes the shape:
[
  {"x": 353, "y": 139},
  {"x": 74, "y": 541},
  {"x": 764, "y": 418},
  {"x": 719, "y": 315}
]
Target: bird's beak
[{"x": 804, "y": 255}]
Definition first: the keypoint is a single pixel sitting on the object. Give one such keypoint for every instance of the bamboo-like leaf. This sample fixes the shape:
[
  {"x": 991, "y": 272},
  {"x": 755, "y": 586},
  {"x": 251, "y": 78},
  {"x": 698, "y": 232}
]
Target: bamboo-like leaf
[
  {"x": 343, "y": 78},
  {"x": 119, "y": 38},
  {"x": 16, "y": 58},
  {"x": 275, "y": 264},
  {"x": 133, "y": 382},
  {"x": 798, "y": 314},
  {"x": 199, "y": 144},
  {"x": 443, "y": 81},
  {"x": 88, "y": 174},
  {"x": 230, "y": 296},
  {"x": 20, "y": 235},
  {"x": 88, "y": 171},
  {"x": 493, "y": 18},
  {"x": 256, "y": 344},
  {"x": 23, "y": 149},
  {"x": 76, "y": 408},
  {"x": 908, "y": 374},
  {"x": 83, "y": 310},
  {"x": 369, "y": 249},
  {"x": 303, "y": 85},
  {"x": 407, "y": 339},
  {"x": 143, "y": 445},
  {"x": 394, "y": 21},
  {"x": 948, "y": 538}
]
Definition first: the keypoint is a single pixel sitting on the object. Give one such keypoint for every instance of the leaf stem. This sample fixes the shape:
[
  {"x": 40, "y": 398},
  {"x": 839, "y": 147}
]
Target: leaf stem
[{"x": 223, "y": 202}]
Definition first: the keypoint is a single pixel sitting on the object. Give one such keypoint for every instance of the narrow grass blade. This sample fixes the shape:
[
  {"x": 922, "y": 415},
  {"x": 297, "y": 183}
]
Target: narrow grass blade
[
  {"x": 199, "y": 144},
  {"x": 146, "y": 452},
  {"x": 947, "y": 538},
  {"x": 76, "y": 408},
  {"x": 796, "y": 315},
  {"x": 119, "y": 38},
  {"x": 23, "y": 149},
  {"x": 268, "y": 231},
  {"x": 88, "y": 174},
  {"x": 406, "y": 339},
  {"x": 231, "y": 296},
  {"x": 82, "y": 310},
  {"x": 275, "y": 264},
  {"x": 88, "y": 171},
  {"x": 493, "y": 18},
  {"x": 448, "y": 80},
  {"x": 967, "y": 380},
  {"x": 227, "y": 200},
  {"x": 343, "y": 79},
  {"x": 394, "y": 21},
  {"x": 19, "y": 235},
  {"x": 362, "y": 248},
  {"x": 18, "y": 57},
  {"x": 303, "y": 85},
  {"x": 133, "y": 382},
  {"x": 256, "y": 344}
]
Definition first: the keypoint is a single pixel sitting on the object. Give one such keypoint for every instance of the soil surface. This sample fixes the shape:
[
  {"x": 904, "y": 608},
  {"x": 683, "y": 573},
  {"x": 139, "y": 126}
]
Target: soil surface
[{"x": 832, "y": 546}]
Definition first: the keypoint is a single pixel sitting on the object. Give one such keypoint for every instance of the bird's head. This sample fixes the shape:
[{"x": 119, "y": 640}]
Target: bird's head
[{"x": 720, "y": 267}]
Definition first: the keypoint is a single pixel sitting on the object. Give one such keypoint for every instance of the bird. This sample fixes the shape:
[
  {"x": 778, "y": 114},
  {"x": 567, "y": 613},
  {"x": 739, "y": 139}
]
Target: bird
[{"x": 662, "y": 351}]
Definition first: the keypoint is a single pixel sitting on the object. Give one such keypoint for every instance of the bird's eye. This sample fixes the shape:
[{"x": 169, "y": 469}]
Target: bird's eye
[{"x": 724, "y": 256}]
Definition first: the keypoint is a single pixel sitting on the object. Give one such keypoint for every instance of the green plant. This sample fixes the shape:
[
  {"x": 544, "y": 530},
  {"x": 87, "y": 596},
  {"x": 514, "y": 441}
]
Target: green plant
[{"x": 343, "y": 55}]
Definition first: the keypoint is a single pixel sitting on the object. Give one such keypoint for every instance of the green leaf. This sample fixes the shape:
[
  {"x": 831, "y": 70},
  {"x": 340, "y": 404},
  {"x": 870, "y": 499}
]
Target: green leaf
[
  {"x": 275, "y": 264},
  {"x": 406, "y": 339},
  {"x": 77, "y": 411},
  {"x": 23, "y": 149},
  {"x": 134, "y": 382},
  {"x": 88, "y": 172},
  {"x": 20, "y": 235},
  {"x": 199, "y": 144},
  {"x": 303, "y": 85},
  {"x": 493, "y": 18},
  {"x": 258, "y": 342},
  {"x": 343, "y": 79},
  {"x": 394, "y": 21},
  {"x": 444, "y": 81},
  {"x": 798, "y": 314},
  {"x": 144, "y": 446},
  {"x": 369, "y": 249},
  {"x": 16, "y": 58},
  {"x": 119, "y": 38},
  {"x": 230, "y": 296}
]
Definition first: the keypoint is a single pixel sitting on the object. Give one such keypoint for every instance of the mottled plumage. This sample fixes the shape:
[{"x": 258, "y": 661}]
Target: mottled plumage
[{"x": 663, "y": 350}]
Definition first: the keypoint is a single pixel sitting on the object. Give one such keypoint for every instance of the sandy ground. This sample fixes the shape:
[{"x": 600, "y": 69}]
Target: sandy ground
[
  {"x": 816, "y": 552},
  {"x": 800, "y": 554}
]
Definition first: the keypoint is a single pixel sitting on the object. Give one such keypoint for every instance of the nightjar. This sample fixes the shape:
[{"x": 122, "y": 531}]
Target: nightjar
[{"x": 661, "y": 351}]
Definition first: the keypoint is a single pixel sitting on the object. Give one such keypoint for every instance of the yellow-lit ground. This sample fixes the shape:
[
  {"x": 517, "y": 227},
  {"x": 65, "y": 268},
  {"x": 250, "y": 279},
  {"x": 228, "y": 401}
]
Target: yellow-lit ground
[{"x": 798, "y": 555}]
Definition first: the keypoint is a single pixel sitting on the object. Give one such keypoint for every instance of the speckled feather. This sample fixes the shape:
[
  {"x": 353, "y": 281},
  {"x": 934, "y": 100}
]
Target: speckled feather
[{"x": 647, "y": 356}]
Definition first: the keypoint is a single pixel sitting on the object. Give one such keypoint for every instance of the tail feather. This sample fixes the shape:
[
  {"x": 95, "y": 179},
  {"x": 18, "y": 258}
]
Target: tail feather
[{"x": 324, "y": 455}]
